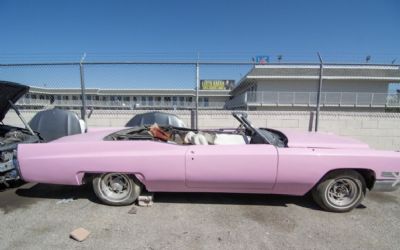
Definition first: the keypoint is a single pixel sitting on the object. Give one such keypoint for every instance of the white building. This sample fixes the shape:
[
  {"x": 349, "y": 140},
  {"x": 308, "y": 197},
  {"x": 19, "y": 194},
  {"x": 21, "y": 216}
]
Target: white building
[
  {"x": 264, "y": 87},
  {"x": 71, "y": 98},
  {"x": 295, "y": 87}
]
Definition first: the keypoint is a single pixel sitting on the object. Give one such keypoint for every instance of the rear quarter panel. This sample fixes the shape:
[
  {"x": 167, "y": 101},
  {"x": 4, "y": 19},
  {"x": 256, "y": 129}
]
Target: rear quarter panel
[
  {"x": 156, "y": 164},
  {"x": 301, "y": 168}
]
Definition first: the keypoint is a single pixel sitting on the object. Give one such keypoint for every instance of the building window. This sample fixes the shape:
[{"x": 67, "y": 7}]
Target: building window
[
  {"x": 206, "y": 102},
  {"x": 181, "y": 101},
  {"x": 150, "y": 100},
  {"x": 143, "y": 101},
  {"x": 203, "y": 101}
]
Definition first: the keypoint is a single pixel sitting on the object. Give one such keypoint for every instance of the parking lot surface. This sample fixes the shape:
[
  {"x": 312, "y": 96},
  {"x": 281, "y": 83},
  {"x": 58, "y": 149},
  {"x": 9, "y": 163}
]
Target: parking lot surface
[{"x": 38, "y": 216}]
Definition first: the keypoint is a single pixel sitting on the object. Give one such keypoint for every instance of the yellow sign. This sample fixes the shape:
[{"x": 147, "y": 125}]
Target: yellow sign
[{"x": 216, "y": 84}]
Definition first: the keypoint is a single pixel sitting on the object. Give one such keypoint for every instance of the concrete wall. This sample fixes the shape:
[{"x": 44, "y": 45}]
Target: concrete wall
[
  {"x": 100, "y": 118},
  {"x": 379, "y": 130}
]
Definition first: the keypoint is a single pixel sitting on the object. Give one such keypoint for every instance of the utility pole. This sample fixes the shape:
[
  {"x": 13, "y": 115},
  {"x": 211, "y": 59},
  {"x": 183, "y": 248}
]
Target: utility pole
[
  {"x": 83, "y": 89},
  {"x": 197, "y": 91},
  {"x": 321, "y": 74}
]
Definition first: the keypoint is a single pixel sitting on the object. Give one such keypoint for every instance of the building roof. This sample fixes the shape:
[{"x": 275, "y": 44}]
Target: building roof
[
  {"x": 128, "y": 92},
  {"x": 312, "y": 71}
]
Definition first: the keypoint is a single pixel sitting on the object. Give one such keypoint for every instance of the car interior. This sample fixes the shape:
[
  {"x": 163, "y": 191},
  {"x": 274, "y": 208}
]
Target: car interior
[{"x": 244, "y": 134}]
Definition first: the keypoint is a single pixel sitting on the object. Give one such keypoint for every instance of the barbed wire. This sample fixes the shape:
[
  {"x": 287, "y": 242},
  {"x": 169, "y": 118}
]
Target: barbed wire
[{"x": 333, "y": 57}]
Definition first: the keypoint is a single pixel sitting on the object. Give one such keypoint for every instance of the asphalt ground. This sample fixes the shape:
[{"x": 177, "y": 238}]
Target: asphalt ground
[{"x": 38, "y": 216}]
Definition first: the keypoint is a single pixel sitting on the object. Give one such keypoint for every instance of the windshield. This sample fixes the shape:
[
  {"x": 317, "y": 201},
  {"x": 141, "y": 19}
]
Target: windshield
[
  {"x": 273, "y": 138},
  {"x": 267, "y": 136}
]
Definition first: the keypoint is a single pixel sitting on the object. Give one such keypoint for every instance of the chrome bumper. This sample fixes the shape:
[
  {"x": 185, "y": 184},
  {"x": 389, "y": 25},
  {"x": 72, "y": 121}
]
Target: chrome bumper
[{"x": 386, "y": 185}]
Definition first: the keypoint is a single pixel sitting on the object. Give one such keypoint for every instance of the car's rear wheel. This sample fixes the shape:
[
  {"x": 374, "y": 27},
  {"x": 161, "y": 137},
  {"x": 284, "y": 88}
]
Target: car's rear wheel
[
  {"x": 116, "y": 189},
  {"x": 340, "y": 191}
]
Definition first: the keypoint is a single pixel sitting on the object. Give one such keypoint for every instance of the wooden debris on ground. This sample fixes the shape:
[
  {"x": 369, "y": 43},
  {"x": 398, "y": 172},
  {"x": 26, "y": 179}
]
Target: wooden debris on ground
[{"x": 79, "y": 234}]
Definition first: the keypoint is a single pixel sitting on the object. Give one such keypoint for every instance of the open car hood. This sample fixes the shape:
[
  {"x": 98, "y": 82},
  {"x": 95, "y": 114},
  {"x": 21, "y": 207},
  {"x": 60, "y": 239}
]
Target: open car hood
[{"x": 10, "y": 91}]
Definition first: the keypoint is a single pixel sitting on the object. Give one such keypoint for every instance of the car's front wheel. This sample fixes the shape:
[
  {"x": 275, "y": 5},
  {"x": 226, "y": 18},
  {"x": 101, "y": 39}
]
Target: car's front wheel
[
  {"x": 116, "y": 189},
  {"x": 340, "y": 191}
]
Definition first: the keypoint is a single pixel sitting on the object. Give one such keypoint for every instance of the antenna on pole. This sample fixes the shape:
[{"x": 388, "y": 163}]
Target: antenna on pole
[
  {"x": 320, "y": 58},
  {"x": 83, "y": 57}
]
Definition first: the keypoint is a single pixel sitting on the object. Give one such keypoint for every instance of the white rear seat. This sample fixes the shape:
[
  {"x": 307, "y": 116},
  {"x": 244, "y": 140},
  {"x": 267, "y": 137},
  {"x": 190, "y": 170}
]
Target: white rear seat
[{"x": 226, "y": 139}]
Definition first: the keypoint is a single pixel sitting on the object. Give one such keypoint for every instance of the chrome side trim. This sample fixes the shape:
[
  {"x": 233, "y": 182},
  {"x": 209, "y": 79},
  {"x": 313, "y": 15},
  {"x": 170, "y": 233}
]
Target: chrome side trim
[
  {"x": 385, "y": 185},
  {"x": 390, "y": 174}
]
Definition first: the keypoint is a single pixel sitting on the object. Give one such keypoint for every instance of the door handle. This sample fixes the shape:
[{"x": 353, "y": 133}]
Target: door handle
[{"x": 192, "y": 153}]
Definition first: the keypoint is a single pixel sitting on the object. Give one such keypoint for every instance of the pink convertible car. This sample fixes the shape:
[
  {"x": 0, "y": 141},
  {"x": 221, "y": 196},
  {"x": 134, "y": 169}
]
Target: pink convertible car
[{"x": 121, "y": 163}]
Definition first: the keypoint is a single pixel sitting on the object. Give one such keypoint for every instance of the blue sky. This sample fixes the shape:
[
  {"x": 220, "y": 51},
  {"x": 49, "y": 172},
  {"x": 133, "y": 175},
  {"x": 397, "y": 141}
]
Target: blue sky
[
  {"x": 296, "y": 29},
  {"x": 343, "y": 31}
]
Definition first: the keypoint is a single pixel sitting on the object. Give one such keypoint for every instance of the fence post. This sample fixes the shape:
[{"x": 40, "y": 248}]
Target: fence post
[
  {"x": 356, "y": 104},
  {"x": 277, "y": 99},
  {"x": 197, "y": 93},
  {"x": 321, "y": 74},
  {"x": 294, "y": 99},
  {"x": 311, "y": 121},
  {"x": 83, "y": 89},
  {"x": 372, "y": 100}
]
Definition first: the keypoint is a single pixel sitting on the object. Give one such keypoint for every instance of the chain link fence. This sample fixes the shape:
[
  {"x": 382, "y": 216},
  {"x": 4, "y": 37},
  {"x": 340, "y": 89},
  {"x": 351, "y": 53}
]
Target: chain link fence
[{"x": 105, "y": 89}]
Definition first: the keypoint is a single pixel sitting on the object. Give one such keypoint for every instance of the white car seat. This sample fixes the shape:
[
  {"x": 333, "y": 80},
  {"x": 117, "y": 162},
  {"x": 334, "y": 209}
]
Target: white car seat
[{"x": 195, "y": 139}]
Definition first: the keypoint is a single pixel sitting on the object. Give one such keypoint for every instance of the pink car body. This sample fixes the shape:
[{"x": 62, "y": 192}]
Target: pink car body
[{"x": 247, "y": 168}]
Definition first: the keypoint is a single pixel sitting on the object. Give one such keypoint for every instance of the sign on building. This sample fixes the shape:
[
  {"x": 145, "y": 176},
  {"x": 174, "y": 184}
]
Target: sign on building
[
  {"x": 261, "y": 59},
  {"x": 217, "y": 84}
]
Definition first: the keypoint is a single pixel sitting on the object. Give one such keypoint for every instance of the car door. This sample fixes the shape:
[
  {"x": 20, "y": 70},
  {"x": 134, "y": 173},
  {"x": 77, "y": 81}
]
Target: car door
[{"x": 221, "y": 167}]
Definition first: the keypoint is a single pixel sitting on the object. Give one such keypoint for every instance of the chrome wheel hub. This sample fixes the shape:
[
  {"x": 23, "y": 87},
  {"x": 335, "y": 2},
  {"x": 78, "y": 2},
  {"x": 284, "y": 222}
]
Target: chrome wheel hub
[
  {"x": 115, "y": 186},
  {"x": 342, "y": 192}
]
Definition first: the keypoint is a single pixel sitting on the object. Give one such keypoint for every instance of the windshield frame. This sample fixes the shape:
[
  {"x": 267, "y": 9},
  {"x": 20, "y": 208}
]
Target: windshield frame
[{"x": 242, "y": 118}]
